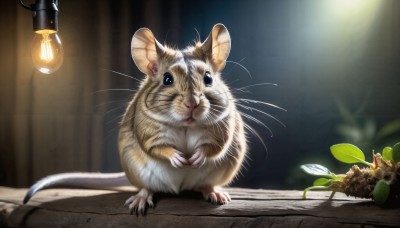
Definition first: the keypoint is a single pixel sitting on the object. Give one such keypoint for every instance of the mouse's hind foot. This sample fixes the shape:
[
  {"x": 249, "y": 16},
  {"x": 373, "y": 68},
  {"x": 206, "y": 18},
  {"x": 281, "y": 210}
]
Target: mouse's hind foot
[
  {"x": 138, "y": 203},
  {"x": 214, "y": 195}
]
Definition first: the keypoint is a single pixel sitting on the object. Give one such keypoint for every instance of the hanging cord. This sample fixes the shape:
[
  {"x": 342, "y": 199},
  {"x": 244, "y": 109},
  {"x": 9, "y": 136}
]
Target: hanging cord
[{"x": 25, "y": 6}]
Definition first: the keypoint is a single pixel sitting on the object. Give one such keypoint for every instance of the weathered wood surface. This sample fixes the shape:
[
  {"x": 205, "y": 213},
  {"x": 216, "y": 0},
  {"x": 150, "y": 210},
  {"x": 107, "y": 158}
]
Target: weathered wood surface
[{"x": 249, "y": 208}]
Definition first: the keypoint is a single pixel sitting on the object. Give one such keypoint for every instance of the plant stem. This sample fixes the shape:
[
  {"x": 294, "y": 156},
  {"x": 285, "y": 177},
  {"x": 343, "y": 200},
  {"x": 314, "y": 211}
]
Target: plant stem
[
  {"x": 332, "y": 194},
  {"x": 315, "y": 188}
]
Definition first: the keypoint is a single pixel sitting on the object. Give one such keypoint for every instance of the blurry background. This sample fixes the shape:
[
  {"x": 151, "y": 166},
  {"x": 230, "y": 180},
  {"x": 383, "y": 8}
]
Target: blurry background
[{"x": 336, "y": 63}]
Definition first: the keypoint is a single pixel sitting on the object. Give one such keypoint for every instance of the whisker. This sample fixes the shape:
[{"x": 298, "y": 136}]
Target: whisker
[
  {"x": 122, "y": 74},
  {"x": 261, "y": 102},
  {"x": 234, "y": 90},
  {"x": 240, "y": 65},
  {"x": 257, "y": 121},
  {"x": 114, "y": 109},
  {"x": 257, "y": 110},
  {"x": 111, "y": 102},
  {"x": 255, "y": 133},
  {"x": 114, "y": 119},
  {"x": 258, "y": 84},
  {"x": 231, "y": 82},
  {"x": 222, "y": 92},
  {"x": 248, "y": 127},
  {"x": 244, "y": 88},
  {"x": 197, "y": 39},
  {"x": 107, "y": 90}
]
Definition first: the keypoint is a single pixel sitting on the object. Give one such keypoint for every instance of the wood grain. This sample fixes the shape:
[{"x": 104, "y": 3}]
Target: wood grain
[{"x": 249, "y": 208}]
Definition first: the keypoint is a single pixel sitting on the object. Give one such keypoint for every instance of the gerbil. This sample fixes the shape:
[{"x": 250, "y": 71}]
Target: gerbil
[{"x": 181, "y": 131}]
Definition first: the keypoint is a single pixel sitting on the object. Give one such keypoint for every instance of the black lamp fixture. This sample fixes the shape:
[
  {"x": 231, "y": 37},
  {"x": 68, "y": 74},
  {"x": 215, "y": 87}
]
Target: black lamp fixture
[{"x": 47, "y": 51}]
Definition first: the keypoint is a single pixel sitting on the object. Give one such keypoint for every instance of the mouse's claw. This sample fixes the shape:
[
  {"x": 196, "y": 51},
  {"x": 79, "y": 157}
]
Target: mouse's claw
[
  {"x": 198, "y": 159},
  {"x": 215, "y": 196},
  {"x": 178, "y": 160},
  {"x": 219, "y": 197},
  {"x": 137, "y": 203}
]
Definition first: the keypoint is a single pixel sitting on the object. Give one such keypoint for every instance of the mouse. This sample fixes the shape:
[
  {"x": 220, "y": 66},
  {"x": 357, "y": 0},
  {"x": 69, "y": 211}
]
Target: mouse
[{"x": 181, "y": 131}]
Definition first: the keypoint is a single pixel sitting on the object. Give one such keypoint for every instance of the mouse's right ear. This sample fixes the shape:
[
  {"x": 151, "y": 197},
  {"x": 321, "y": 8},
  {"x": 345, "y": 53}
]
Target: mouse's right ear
[
  {"x": 146, "y": 51},
  {"x": 217, "y": 46}
]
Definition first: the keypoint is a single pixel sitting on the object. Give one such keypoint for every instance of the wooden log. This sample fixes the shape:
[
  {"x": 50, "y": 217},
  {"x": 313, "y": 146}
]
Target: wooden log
[{"x": 249, "y": 208}]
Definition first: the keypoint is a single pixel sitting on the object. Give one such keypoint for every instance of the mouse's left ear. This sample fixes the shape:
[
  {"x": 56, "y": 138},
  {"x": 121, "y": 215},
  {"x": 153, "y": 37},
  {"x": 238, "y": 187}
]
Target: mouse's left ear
[
  {"x": 146, "y": 51},
  {"x": 217, "y": 46}
]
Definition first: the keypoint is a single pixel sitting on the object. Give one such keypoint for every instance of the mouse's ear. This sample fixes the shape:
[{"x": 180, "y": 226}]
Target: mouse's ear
[
  {"x": 217, "y": 46},
  {"x": 146, "y": 51}
]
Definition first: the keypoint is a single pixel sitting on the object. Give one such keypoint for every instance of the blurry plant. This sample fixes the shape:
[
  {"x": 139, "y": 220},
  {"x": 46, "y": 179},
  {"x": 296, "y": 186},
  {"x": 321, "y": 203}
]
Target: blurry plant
[
  {"x": 364, "y": 131},
  {"x": 355, "y": 129},
  {"x": 380, "y": 180}
]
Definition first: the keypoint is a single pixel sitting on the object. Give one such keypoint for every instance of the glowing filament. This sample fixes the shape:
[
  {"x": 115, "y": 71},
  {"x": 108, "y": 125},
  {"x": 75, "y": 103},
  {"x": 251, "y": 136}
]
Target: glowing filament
[{"x": 46, "y": 51}]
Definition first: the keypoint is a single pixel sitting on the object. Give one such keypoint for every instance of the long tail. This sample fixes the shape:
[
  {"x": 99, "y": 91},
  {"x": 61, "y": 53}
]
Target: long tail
[{"x": 84, "y": 180}]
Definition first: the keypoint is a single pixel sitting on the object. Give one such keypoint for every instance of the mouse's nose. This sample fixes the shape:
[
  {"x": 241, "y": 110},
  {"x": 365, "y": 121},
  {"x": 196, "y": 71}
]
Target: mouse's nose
[{"x": 192, "y": 102}]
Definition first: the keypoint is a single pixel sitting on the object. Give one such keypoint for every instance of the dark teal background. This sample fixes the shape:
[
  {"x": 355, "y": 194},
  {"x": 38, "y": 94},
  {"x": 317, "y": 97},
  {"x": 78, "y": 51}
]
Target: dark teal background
[{"x": 336, "y": 63}]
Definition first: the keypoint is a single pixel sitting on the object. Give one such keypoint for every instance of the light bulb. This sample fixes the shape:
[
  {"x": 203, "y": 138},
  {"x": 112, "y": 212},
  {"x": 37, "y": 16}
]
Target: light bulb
[{"x": 47, "y": 51}]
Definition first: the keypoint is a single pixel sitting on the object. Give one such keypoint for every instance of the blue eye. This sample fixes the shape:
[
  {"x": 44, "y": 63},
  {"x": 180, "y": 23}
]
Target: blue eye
[
  {"x": 208, "y": 80},
  {"x": 168, "y": 79}
]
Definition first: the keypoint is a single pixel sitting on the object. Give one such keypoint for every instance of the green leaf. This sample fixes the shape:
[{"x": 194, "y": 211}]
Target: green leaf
[
  {"x": 348, "y": 153},
  {"x": 387, "y": 153},
  {"x": 396, "y": 152},
  {"x": 381, "y": 192},
  {"x": 322, "y": 182},
  {"x": 316, "y": 170}
]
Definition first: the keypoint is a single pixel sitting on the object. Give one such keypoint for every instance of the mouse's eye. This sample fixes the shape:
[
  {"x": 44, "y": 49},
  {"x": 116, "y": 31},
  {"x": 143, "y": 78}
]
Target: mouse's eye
[
  {"x": 208, "y": 80},
  {"x": 168, "y": 79}
]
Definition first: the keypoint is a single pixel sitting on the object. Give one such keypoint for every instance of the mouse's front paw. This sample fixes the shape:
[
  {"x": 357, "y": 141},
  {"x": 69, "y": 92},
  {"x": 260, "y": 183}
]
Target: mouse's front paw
[
  {"x": 178, "y": 160},
  {"x": 198, "y": 159}
]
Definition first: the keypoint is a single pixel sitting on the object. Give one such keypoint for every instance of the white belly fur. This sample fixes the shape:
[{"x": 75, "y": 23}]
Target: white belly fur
[{"x": 161, "y": 176}]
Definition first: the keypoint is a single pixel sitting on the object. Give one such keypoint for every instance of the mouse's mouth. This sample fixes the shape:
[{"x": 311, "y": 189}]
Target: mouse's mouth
[{"x": 189, "y": 120}]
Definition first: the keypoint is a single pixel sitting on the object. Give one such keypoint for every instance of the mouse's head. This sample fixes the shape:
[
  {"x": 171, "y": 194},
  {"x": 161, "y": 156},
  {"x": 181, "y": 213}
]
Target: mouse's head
[{"x": 184, "y": 87}]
